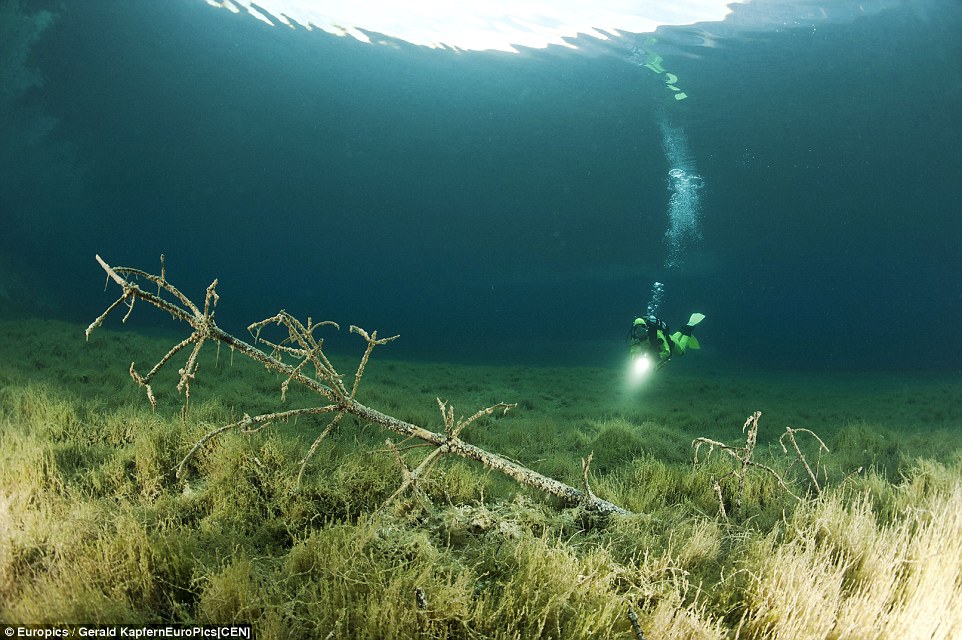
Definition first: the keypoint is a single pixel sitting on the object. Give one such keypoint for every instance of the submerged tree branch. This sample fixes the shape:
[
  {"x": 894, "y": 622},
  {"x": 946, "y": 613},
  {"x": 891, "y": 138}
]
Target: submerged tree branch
[{"x": 304, "y": 347}]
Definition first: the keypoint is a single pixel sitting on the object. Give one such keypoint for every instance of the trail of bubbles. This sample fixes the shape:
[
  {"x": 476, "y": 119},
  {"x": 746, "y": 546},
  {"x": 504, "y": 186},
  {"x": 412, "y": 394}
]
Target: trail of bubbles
[
  {"x": 684, "y": 205},
  {"x": 657, "y": 294}
]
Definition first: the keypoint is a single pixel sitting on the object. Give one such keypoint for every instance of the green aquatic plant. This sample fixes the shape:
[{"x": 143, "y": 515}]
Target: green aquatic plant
[
  {"x": 95, "y": 527},
  {"x": 836, "y": 572},
  {"x": 306, "y": 349}
]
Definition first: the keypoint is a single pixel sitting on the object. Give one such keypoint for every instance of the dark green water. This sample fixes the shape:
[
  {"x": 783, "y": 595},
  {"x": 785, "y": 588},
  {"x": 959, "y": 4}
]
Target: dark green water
[{"x": 495, "y": 207}]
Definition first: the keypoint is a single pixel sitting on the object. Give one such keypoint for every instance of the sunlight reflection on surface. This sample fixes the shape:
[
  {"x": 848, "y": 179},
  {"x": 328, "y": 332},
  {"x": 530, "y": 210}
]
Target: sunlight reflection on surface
[{"x": 479, "y": 25}]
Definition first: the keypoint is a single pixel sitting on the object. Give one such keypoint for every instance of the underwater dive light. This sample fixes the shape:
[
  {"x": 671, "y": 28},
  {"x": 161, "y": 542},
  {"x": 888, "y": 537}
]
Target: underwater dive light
[{"x": 641, "y": 365}]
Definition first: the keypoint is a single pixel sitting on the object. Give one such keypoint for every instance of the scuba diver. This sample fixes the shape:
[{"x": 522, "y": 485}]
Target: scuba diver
[{"x": 651, "y": 343}]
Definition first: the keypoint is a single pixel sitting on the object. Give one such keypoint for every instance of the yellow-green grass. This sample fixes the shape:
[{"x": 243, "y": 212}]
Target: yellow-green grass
[{"x": 94, "y": 526}]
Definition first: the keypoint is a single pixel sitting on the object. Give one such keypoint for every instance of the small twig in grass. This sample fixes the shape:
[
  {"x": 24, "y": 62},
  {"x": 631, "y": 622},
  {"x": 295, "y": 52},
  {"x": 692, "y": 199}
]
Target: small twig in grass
[
  {"x": 316, "y": 443},
  {"x": 585, "y": 466},
  {"x": 744, "y": 457},
  {"x": 721, "y": 500},
  {"x": 790, "y": 434},
  {"x": 250, "y": 426},
  {"x": 411, "y": 478}
]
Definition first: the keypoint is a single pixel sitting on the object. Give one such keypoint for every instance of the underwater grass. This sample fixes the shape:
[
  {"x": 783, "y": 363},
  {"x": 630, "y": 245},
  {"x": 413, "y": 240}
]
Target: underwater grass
[{"x": 94, "y": 527}]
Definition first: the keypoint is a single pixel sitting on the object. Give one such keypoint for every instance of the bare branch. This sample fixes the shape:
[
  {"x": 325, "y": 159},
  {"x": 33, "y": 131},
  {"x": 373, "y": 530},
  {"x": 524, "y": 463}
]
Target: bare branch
[
  {"x": 790, "y": 434},
  {"x": 301, "y": 344},
  {"x": 372, "y": 341},
  {"x": 744, "y": 457},
  {"x": 410, "y": 478}
]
